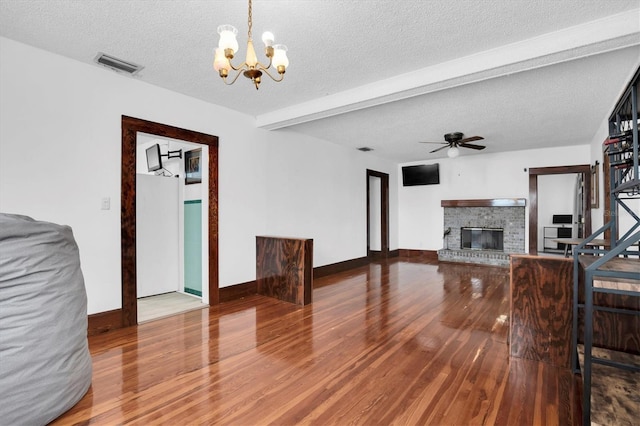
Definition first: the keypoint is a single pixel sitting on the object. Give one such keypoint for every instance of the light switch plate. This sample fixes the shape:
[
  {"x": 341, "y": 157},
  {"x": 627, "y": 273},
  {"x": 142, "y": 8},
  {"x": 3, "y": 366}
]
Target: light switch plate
[{"x": 106, "y": 203}]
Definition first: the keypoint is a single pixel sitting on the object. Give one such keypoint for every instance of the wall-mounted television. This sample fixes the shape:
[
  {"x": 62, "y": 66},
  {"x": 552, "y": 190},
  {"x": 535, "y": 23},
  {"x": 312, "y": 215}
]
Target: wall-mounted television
[
  {"x": 154, "y": 159},
  {"x": 423, "y": 174}
]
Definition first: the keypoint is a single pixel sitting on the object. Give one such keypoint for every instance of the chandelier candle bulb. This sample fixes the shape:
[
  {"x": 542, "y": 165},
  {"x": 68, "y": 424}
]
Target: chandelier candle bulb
[
  {"x": 221, "y": 63},
  {"x": 280, "y": 59},
  {"x": 268, "y": 38}
]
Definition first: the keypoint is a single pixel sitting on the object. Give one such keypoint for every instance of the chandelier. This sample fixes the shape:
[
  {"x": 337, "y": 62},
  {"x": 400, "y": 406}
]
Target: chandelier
[{"x": 250, "y": 68}]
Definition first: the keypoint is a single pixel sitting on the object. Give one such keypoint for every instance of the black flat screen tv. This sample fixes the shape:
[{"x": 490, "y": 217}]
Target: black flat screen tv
[
  {"x": 154, "y": 159},
  {"x": 423, "y": 174}
]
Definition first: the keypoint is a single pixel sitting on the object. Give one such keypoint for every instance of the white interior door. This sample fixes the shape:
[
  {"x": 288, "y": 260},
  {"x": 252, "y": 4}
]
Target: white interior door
[{"x": 157, "y": 235}]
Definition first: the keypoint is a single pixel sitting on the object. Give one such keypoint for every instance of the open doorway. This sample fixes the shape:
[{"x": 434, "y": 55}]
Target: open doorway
[
  {"x": 560, "y": 211},
  {"x": 377, "y": 214},
  {"x": 131, "y": 127},
  {"x": 585, "y": 171},
  {"x": 171, "y": 215}
]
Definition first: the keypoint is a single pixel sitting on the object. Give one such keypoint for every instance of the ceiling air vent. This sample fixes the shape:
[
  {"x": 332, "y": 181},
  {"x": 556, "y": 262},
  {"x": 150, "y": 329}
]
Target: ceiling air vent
[
  {"x": 117, "y": 64},
  {"x": 365, "y": 149}
]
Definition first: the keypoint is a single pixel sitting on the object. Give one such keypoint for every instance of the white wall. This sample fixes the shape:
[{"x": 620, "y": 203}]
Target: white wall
[
  {"x": 483, "y": 176},
  {"x": 60, "y": 142},
  {"x": 319, "y": 191}
]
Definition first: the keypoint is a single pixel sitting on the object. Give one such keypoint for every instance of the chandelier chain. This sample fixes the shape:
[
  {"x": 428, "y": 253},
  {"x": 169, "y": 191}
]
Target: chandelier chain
[{"x": 250, "y": 20}]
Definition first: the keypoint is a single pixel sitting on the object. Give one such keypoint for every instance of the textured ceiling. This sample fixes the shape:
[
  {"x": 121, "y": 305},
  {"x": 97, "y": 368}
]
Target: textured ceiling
[{"x": 385, "y": 74}]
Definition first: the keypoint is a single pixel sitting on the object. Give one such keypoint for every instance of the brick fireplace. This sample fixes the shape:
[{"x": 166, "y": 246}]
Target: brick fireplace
[{"x": 471, "y": 221}]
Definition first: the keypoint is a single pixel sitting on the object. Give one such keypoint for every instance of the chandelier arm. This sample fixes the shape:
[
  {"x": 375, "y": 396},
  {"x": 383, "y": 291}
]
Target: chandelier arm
[
  {"x": 263, "y": 67},
  {"x": 241, "y": 67},
  {"x": 272, "y": 78},
  {"x": 260, "y": 66},
  {"x": 238, "y": 74}
]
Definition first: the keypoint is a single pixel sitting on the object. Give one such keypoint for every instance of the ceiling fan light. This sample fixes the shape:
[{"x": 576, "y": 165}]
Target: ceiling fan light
[{"x": 453, "y": 152}]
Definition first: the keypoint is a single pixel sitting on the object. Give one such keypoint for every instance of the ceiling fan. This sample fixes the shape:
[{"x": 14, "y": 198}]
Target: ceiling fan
[{"x": 455, "y": 140}]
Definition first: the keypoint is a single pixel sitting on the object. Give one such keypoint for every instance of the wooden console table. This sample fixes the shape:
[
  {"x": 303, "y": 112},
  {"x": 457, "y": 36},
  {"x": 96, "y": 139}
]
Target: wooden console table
[{"x": 284, "y": 268}]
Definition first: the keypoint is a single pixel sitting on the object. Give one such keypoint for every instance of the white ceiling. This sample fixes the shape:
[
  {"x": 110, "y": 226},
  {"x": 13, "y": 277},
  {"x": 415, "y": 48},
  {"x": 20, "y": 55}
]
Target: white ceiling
[{"x": 384, "y": 74}]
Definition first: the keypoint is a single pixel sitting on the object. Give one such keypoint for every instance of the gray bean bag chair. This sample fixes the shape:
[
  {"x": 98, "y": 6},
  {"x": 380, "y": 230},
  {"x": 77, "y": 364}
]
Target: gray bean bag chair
[{"x": 45, "y": 366}]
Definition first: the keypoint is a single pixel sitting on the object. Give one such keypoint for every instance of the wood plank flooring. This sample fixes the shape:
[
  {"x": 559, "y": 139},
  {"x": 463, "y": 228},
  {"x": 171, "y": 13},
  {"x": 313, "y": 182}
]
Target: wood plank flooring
[{"x": 399, "y": 342}]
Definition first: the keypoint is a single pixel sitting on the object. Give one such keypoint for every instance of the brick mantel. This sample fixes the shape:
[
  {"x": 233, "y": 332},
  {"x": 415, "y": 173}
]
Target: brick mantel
[
  {"x": 489, "y": 202},
  {"x": 507, "y": 214}
]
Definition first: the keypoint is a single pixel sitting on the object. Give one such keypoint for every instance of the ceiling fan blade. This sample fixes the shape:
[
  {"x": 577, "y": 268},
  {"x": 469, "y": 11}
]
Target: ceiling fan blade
[
  {"x": 439, "y": 149},
  {"x": 443, "y": 143},
  {"x": 472, "y": 146},
  {"x": 471, "y": 139}
]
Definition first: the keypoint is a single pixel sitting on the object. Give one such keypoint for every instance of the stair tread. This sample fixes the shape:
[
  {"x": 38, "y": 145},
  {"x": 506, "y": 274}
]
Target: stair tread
[
  {"x": 623, "y": 264},
  {"x": 619, "y": 264},
  {"x": 631, "y": 185}
]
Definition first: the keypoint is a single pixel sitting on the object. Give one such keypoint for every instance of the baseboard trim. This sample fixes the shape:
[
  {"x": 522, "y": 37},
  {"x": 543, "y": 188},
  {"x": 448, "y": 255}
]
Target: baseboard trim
[
  {"x": 426, "y": 254},
  {"x": 104, "y": 321},
  {"x": 334, "y": 268},
  {"x": 377, "y": 255},
  {"x": 111, "y": 320},
  {"x": 238, "y": 291}
]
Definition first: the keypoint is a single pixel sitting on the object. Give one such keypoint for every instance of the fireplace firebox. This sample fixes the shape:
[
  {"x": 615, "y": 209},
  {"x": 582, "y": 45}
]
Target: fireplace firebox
[{"x": 482, "y": 239}]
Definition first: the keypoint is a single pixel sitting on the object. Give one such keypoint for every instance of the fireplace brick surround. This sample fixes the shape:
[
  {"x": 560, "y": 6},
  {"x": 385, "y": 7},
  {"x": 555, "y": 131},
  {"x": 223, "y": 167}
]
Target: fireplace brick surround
[{"x": 503, "y": 213}]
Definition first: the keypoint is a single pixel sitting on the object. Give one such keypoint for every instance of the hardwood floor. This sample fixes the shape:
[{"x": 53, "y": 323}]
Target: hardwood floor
[{"x": 395, "y": 342}]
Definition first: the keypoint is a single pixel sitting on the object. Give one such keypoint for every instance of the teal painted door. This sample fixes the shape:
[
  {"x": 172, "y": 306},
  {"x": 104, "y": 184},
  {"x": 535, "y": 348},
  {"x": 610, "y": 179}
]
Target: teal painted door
[{"x": 193, "y": 247}]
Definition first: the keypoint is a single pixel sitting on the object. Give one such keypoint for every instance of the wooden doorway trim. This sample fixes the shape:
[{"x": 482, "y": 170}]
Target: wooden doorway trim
[
  {"x": 384, "y": 213},
  {"x": 585, "y": 170},
  {"x": 130, "y": 127}
]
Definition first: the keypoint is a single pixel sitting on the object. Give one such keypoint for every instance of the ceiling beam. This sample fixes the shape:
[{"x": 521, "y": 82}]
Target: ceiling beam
[{"x": 592, "y": 38}]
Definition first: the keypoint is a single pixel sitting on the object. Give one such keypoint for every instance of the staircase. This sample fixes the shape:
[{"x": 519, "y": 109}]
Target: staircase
[{"x": 616, "y": 269}]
